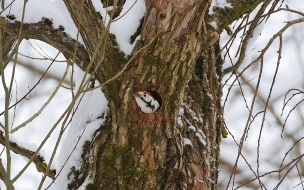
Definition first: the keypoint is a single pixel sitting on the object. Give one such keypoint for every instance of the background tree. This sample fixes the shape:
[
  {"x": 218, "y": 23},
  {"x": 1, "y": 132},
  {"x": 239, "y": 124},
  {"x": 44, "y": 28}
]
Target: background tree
[{"x": 178, "y": 55}]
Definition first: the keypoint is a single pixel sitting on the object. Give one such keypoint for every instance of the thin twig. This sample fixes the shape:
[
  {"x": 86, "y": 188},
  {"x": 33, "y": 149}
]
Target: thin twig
[
  {"x": 38, "y": 82},
  {"x": 23, "y": 124}
]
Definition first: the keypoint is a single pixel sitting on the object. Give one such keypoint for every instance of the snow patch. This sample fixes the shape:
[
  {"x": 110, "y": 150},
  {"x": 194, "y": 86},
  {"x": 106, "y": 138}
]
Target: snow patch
[
  {"x": 86, "y": 120},
  {"x": 187, "y": 142},
  {"x": 191, "y": 128},
  {"x": 218, "y": 4},
  {"x": 201, "y": 138},
  {"x": 179, "y": 119},
  {"x": 36, "y": 9},
  {"x": 125, "y": 26},
  {"x": 87, "y": 181},
  {"x": 213, "y": 23}
]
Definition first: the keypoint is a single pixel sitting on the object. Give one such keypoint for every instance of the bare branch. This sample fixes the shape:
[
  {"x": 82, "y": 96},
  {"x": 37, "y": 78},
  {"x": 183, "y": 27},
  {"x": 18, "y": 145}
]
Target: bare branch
[
  {"x": 38, "y": 161},
  {"x": 47, "y": 33},
  {"x": 248, "y": 36}
]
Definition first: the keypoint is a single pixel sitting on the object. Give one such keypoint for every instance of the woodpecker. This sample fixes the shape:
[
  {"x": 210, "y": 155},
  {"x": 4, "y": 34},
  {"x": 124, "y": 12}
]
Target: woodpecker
[{"x": 148, "y": 101}]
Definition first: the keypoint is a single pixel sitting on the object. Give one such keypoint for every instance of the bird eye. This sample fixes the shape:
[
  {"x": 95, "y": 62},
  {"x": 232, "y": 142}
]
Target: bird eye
[{"x": 145, "y": 95}]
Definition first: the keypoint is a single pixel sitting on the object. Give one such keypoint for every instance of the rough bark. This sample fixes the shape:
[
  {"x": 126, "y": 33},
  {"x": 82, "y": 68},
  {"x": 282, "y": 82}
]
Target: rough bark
[{"x": 147, "y": 151}]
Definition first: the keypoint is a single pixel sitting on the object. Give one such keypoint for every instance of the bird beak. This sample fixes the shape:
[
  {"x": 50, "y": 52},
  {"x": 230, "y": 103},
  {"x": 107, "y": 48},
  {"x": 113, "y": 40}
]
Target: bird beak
[{"x": 138, "y": 94}]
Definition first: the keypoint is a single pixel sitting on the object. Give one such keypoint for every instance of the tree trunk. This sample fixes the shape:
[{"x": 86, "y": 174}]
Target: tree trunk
[{"x": 147, "y": 151}]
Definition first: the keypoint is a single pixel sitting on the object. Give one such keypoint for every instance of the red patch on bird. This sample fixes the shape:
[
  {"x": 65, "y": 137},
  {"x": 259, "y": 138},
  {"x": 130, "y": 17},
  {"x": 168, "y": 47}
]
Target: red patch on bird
[{"x": 146, "y": 92}]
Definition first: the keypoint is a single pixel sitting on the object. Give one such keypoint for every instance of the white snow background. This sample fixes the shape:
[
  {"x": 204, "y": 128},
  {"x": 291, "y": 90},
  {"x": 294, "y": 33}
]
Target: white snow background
[{"x": 289, "y": 76}]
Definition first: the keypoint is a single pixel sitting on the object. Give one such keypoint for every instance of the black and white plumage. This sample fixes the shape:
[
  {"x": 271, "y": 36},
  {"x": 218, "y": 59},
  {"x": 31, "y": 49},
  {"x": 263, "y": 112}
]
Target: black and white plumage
[{"x": 148, "y": 101}]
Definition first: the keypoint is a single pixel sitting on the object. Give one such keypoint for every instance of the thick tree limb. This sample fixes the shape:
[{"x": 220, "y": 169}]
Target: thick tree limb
[
  {"x": 8, "y": 44},
  {"x": 38, "y": 161},
  {"x": 102, "y": 46},
  {"x": 88, "y": 21},
  {"x": 47, "y": 33},
  {"x": 225, "y": 16}
]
